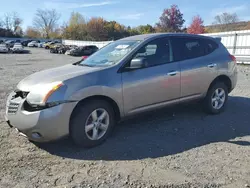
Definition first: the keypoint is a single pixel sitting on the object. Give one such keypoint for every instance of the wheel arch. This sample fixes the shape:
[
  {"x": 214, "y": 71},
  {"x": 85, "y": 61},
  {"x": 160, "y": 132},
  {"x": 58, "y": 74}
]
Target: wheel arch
[
  {"x": 98, "y": 97},
  {"x": 222, "y": 78}
]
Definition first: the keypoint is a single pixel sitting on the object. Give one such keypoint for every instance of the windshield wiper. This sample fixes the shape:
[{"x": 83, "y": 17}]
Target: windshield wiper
[{"x": 85, "y": 65}]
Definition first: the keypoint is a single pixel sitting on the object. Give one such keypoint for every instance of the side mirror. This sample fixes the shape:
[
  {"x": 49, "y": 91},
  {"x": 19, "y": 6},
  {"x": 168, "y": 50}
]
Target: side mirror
[{"x": 137, "y": 63}]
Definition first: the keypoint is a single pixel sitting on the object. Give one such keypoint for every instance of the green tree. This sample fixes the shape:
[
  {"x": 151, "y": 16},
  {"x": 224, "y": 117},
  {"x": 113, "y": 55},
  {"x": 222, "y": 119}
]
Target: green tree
[
  {"x": 145, "y": 29},
  {"x": 76, "y": 28},
  {"x": 115, "y": 30}
]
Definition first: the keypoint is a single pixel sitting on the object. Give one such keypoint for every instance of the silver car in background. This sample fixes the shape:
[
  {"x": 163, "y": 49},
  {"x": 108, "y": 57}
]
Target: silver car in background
[
  {"x": 129, "y": 76},
  {"x": 33, "y": 44},
  {"x": 4, "y": 48},
  {"x": 17, "y": 48}
]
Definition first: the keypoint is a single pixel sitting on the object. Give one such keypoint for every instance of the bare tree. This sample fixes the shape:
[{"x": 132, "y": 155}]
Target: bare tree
[
  {"x": 12, "y": 22},
  {"x": 1, "y": 23},
  {"x": 225, "y": 21},
  {"x": 46, "y": 21}
]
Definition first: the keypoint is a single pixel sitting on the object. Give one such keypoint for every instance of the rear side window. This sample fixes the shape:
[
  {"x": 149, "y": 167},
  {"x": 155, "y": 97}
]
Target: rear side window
[
  {"x": 209, "y": 45},
  {"x": 187, "y": 48}
]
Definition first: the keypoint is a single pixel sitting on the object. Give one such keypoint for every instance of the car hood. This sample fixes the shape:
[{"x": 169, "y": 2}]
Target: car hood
[{"x": 53, "y": 75}]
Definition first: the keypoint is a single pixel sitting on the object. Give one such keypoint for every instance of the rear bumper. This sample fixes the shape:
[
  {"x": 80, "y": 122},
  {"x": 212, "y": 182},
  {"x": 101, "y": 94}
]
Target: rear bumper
[{"x": 40, "y": 126}]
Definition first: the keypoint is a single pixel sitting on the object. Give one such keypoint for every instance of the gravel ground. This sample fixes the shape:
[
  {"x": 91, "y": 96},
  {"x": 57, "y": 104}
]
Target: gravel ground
[{"x": 172, "y": 148}]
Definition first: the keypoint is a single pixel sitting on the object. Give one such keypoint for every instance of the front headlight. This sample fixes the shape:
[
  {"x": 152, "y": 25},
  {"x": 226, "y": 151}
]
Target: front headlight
[{"x": 40, "y": 93}]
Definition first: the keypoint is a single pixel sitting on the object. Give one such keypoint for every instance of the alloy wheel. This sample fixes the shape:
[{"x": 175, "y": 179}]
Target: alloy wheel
[
  {"x": 218, "y": 98},
  {"x": 97, "y": 124}
]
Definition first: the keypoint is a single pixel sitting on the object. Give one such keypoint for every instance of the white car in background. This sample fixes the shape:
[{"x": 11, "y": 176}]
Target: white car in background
[
  {"x": 33, "y": 44},
  {"x": 4, "y": 48},
  {"x": 41, "y": 45},
  {"x": 17, "y": 48}
]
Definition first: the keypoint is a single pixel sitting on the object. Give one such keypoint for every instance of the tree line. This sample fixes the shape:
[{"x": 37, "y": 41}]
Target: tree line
[{"x": 46, "y": 25}]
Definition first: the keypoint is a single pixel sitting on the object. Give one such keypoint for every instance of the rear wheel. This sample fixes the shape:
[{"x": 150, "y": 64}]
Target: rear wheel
[
  {"x": 92, "y": 123},
  {"x": 216, "y": 99}
]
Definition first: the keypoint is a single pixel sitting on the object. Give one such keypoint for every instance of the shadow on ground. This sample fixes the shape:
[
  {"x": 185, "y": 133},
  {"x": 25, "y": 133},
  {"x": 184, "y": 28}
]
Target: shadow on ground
[{"x": 159, "y": 133}]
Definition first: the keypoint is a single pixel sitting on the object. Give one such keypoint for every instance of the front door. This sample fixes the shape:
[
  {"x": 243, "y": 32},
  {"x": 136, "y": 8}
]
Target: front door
[{"x": 156, "y": 84}]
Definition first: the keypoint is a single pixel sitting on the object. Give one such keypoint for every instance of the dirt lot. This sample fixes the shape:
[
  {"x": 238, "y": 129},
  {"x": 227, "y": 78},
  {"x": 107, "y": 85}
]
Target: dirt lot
[{"x": 184, "y": 150}]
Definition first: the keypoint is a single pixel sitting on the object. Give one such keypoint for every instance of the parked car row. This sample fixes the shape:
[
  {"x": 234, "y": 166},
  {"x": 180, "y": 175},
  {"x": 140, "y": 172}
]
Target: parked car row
[
  {"x": 53, "y": 46},
  {"x": 9, "y": 43},
  {"x": 17, "y": 48}
]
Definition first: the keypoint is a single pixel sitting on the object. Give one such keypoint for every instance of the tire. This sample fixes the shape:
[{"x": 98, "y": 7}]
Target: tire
[
  {"x": 83, "y": 116},
  {"x": 209, "y": 105}
]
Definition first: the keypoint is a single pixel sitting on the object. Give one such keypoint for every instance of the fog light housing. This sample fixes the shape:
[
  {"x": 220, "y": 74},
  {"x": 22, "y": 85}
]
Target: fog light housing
[{"x": 36, "y": 135}]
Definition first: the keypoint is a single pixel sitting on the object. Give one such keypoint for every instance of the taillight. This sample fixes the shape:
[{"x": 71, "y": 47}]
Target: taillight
[
  {"x": 233, "y": 58},
  {"x": 84, "y": 57}
]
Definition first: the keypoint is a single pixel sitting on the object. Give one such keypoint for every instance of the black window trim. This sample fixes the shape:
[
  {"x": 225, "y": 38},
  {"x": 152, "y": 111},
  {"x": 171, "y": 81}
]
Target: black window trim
[{"x": 123, "y": 67}]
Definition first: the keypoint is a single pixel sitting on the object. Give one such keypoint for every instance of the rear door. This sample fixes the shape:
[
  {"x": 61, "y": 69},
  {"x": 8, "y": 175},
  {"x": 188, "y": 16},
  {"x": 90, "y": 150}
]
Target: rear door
[{"x": 197, "y": 63}]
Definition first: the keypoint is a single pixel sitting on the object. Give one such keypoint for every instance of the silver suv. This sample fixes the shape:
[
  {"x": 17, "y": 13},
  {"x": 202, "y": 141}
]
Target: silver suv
[{"x": 132, "y": 75}]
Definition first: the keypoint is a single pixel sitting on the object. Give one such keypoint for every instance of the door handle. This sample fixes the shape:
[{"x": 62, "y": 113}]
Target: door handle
[
  {"x": 212, "y": 65},
  {"x": 172, "y": 73}
]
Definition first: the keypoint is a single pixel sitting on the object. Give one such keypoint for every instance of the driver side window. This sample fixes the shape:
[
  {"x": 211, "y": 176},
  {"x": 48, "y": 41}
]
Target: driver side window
[{"x": 156, "y": 52}]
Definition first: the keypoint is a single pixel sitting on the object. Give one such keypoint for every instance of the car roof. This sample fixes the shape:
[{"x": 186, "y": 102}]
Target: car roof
[{"x": 159, "y": 35}]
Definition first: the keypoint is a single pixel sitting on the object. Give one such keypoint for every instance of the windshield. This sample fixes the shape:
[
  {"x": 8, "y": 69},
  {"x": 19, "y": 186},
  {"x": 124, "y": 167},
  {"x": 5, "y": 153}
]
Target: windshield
[{"x": 110, "y": 54}]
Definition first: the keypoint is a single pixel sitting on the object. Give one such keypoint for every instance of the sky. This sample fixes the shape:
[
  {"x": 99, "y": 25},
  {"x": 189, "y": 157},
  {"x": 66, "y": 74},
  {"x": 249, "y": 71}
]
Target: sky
[{"x": 127, "y": 12}]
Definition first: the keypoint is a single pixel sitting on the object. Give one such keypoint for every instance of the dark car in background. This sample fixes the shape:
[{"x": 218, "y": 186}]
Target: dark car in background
[
  {"x": 25, "y": 42},
  {"x": 63, "y": 48},
  {"x": 83, "y": 50},
  {"x": 56, "y": 48},
  {"x": 10, "y": 43}
]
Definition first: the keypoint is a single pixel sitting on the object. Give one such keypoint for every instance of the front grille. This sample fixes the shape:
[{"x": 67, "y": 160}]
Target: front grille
[
  {"x": 22, "y": 94},
  {"x": 13, "y": 107}
]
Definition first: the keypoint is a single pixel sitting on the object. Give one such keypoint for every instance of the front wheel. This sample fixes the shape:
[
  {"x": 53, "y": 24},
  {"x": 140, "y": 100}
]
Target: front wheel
[
  {"x": 92, "y": 123},
  {"x": 216, "y": 98}
]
